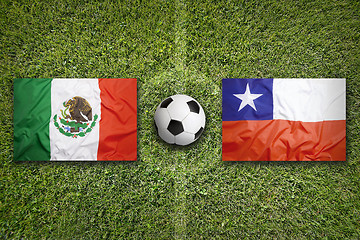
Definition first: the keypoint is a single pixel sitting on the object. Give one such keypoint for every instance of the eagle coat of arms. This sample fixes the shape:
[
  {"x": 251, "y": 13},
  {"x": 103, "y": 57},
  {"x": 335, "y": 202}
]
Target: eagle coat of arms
[{"x": 75, "y": 119}]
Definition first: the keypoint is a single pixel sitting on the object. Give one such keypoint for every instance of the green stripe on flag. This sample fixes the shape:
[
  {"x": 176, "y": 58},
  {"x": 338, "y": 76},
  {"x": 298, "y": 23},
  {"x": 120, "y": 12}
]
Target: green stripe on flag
[{"x": 32, "y": 113}]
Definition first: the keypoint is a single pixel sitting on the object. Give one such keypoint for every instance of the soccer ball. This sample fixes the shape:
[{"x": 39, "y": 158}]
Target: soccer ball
[{"x": 179, "y": 120}]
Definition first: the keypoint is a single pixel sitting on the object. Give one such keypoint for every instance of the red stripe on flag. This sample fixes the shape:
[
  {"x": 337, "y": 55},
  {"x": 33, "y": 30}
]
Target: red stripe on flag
[
  {"x": 279, "y": 140},
  {"x": 118, "y": 124}
]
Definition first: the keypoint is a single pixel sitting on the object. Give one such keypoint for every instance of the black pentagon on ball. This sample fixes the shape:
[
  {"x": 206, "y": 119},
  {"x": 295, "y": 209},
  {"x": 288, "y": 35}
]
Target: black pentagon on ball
[
  {"x": 175, "y": 127},
  {"x": 166, "y": 102},
  {"x": 194, "y": 107},
  {"x": 197, "y": 135}
]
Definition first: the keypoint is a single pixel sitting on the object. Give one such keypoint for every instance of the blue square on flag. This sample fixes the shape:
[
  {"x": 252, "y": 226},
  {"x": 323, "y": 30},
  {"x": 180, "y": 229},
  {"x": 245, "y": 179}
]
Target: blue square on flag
[{"x": 247, "y": 99}]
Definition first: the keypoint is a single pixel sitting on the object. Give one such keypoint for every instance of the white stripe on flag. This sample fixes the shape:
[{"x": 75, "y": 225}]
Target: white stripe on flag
[
  {"x": 309, "y": 100},
  {"x": 81, "y": 148}
]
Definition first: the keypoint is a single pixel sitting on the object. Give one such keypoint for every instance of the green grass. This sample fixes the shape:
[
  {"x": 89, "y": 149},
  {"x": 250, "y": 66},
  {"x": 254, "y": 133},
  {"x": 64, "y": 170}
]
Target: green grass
[{"x": 187, "y": 47}]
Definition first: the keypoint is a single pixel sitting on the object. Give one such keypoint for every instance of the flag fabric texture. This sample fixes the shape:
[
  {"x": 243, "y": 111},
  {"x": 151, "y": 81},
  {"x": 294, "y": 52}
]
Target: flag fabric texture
[
  {"x": 284, "y": 119},
  {"x": 75, "y": 119}
]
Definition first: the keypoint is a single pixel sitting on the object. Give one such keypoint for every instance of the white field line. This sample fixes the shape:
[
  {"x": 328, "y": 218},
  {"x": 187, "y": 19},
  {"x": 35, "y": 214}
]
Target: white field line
[{"x": 180, "y": 218}]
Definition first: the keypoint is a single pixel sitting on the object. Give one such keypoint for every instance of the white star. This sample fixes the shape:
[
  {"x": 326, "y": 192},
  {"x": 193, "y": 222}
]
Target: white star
[{"x": 247, "y": 98}]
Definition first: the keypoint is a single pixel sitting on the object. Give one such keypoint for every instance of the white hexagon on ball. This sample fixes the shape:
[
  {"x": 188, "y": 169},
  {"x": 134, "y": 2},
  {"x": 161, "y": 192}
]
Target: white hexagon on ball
[
  {"x": 192, "y": 123},
  {"x": 179, "y": 120},
  {"x": 162, "y": 117},
  {"x": 177, "y": 110}
]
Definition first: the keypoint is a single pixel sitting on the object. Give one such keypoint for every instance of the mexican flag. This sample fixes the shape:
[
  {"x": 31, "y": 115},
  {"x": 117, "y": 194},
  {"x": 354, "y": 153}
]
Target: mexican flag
[{"x": 75, "y": 119}]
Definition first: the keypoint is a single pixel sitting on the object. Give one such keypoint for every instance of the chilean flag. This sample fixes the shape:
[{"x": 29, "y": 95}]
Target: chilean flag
[{"x": 284, "y": 119}]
